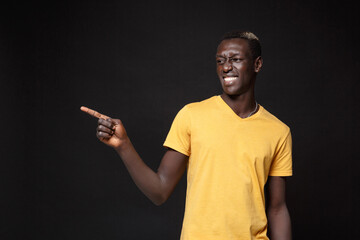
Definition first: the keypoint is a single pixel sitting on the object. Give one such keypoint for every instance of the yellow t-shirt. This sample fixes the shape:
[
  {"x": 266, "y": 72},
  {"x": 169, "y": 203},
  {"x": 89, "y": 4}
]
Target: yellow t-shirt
[{"x": 230, "y": 159}]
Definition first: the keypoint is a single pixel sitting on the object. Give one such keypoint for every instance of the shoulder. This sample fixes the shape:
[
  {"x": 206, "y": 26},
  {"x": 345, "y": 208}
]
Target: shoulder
[
  {"x": 273, "y": 122},
  {"x": 195, "y": 110},
  {"x": 206, "y": 104}
]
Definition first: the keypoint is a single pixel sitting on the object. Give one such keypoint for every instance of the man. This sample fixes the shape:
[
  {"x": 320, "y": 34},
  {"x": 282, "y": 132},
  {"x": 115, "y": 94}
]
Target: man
[{"x": 230, "y": 145}]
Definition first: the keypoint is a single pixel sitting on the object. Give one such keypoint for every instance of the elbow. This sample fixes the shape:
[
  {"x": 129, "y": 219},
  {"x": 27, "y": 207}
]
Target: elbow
[
  {"x": 159, "y": 200},
  {"x": 162, "y": 194},
  {"x": 274, "y": 210}
]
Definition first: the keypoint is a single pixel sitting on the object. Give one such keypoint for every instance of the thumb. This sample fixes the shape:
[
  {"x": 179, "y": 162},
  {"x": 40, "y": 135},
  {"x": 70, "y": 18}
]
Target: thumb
[
  {"x": 116, "y": 121},
  {"x": 118, "y": 125}
]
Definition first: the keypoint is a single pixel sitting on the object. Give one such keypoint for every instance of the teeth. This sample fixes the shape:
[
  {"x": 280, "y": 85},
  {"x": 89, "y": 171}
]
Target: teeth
[{"x": 230, "y": 78}]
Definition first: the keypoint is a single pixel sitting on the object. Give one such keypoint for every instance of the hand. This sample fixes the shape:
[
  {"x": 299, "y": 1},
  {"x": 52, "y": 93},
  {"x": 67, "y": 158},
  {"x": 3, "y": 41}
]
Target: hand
[{"x": 109, "y": 131}]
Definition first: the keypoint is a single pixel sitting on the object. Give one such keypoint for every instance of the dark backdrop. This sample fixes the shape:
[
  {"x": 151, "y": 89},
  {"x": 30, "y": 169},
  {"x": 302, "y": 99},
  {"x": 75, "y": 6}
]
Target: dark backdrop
[{"x": 141, "y": 62}]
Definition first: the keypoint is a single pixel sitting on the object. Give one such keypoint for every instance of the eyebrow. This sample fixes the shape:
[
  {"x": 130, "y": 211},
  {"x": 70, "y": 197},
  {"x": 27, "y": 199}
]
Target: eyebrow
[{"x": 217, "y": 55}]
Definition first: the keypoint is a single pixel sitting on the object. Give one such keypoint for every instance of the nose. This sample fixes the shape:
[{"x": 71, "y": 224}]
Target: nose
[{"x": 227, "y": 66}]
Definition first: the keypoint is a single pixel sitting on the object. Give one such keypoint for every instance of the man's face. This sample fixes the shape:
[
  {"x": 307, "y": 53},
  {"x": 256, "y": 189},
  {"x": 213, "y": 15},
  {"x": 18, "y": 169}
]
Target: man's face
[{"x": 235, "y": 66}]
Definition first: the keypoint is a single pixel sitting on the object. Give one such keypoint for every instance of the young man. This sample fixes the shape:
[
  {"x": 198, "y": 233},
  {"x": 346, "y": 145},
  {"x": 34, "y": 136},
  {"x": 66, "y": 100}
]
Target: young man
[{"x": 230, "y": 145}]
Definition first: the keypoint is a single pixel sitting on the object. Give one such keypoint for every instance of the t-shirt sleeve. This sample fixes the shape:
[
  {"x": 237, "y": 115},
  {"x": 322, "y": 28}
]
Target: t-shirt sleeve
[
  {"x": 179, "y": 135},
  {"x": 282, "y": 163}
]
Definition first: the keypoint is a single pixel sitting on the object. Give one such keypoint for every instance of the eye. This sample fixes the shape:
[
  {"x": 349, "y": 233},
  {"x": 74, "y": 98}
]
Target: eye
[
  {"x": 220, "y": 61},
  {"x": 237, "y": 59}
]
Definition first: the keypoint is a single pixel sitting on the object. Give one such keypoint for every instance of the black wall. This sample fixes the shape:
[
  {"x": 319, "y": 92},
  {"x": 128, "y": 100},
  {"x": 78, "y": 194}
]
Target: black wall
[{"x": 141, "y": 62}]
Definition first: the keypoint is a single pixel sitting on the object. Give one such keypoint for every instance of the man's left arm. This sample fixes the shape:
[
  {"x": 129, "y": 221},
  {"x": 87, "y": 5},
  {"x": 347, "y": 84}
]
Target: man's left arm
[{"x": 277, "y": 212}]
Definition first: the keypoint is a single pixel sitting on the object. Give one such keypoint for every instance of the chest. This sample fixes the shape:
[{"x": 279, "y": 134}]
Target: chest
[{"x": 243, "y": 145}]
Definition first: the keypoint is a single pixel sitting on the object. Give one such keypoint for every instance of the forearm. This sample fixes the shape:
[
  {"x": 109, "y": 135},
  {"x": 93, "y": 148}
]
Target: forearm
[
  {"x": 148, "y": 181},
  {"x": 279, "y": 223},
  {"x": 157, "y": 186}
]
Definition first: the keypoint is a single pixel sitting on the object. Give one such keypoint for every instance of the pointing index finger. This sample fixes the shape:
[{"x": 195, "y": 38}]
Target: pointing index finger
[{"x": 93, "y": 113}]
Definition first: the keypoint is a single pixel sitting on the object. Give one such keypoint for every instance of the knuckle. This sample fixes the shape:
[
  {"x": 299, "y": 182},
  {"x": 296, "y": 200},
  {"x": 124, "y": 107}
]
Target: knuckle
[{"x": 103, "y": 135}]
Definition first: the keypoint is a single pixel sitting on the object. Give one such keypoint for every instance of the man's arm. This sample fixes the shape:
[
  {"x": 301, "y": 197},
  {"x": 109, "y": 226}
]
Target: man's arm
[
  {"x": 278, "y": 214},
  {"x": 157, "y": 186}
]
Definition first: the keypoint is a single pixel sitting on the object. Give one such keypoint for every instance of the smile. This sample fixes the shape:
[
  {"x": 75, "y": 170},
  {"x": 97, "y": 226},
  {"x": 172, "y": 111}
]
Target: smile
[{"x": 229, "y": 79}]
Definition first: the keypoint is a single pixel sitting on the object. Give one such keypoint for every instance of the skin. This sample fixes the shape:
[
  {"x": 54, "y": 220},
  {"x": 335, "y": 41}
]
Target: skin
[
  {"x": 233, "y": 59},
  {"x": 277, "y": 212}
]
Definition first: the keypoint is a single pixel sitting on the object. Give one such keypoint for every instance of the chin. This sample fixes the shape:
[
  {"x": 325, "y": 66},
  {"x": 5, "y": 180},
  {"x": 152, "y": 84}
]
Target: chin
[
  {"x": 233, "y": 95},
  {"x": 232, "y": 92}
]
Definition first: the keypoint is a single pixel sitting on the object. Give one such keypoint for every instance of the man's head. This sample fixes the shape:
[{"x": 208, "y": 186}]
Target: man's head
[{"x": 238, "y": 60}]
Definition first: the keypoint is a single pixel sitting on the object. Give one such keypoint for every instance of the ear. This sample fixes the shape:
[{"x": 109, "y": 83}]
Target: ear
[{"x": 258, "y": 64}]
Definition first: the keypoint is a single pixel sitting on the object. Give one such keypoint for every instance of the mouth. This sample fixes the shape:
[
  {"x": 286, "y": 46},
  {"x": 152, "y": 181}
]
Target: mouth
[{"x": 229, "y": 80}]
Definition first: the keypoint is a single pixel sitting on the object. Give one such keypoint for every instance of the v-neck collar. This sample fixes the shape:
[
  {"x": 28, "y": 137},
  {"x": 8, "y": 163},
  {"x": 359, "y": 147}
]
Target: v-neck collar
[{"x": 228, "y": 109}]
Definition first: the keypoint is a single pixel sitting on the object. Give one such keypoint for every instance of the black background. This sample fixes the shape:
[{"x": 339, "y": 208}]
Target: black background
[{"x": 141, "y": 62}]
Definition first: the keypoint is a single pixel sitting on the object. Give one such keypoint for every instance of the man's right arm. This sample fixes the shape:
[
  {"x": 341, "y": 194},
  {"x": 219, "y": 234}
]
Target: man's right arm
[{"x": 157, "y": 186}]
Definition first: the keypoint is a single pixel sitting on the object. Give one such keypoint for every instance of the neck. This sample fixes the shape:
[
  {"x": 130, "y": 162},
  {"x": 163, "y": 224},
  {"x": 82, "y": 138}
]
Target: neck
[{"x": 242, "y": 104}]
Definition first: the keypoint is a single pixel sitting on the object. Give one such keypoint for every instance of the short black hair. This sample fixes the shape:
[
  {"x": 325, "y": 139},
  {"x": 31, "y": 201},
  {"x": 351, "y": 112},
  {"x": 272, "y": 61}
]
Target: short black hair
[{"x": 251, "y": 38}]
